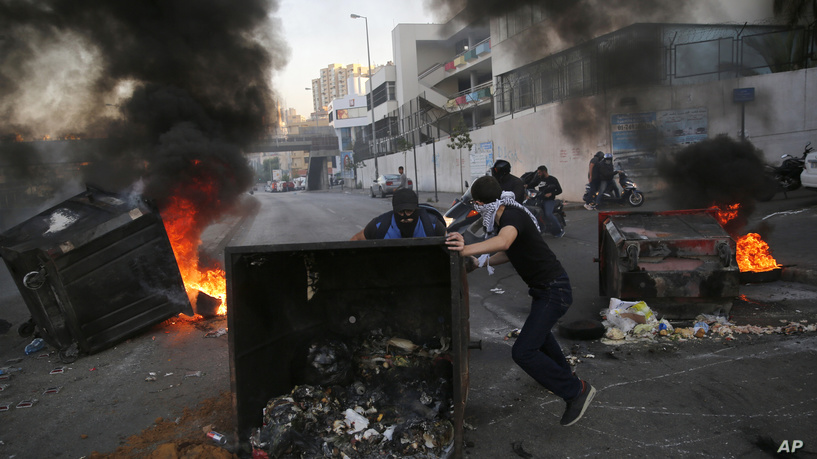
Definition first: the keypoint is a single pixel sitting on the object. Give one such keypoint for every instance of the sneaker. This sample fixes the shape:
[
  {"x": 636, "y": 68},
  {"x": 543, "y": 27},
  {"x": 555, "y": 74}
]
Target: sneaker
[
  {"x": 561, "y": 233},
  {"x": 576, "y": 407},
  {"x": 589, "y": 206}
]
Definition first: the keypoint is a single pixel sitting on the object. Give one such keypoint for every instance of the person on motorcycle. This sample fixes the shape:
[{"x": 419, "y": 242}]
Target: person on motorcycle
[
  {"x": 549, "y": 188},
  {"x": 518, "y": 241},
  {"x": 593, "y": 180},
  {"x": 606, "y": 172},
  {"x": 502, "y": 172},
  {"x": 406, "y": 220}
]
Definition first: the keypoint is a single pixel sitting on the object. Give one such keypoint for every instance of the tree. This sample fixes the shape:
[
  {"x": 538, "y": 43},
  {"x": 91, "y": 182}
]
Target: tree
[{"x": 460, "y": 138}]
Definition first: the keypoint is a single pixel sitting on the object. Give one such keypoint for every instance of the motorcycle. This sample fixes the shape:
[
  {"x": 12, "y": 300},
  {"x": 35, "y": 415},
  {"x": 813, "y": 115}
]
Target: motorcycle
[
  {"x": 462, "y": 218},
  {"x": 619, "y": 190},
  {"x": 786, "y": 176}
]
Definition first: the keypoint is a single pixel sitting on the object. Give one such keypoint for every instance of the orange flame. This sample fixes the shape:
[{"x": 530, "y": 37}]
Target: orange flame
[
  {"x": 180, "y": 223},
  {"x": 753, "y": 254},
  {"x": 727, "y": 214}
]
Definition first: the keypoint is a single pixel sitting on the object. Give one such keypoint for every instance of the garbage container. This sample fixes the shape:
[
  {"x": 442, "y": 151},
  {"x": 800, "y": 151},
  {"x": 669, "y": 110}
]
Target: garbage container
[
  {"x": 682, "y": 263},
  {"x": 283, "y": 297},
  {"x": 94, "y": 270}
]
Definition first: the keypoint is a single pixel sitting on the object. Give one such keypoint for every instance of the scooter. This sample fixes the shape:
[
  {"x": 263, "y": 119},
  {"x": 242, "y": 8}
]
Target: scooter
[
  {"x": 534, "y": 203},
  {"x": 786, "y": 176},
  {"x": 620, "y": 190}
]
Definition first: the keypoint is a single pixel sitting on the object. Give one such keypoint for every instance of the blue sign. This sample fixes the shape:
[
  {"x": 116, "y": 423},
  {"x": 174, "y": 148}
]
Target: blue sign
[{"x": 743, "y": 94}]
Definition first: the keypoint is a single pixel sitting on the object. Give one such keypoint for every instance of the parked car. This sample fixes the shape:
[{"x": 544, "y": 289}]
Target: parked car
[
  {"x": 808, "y": 177},
  {"x": 268, "y": 188},
  {"x": 386, "y": 185}
]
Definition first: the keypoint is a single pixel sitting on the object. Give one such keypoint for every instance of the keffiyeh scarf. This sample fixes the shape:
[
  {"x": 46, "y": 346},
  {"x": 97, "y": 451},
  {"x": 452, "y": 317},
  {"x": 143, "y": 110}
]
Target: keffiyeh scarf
[{"x": 488, "y": 211}]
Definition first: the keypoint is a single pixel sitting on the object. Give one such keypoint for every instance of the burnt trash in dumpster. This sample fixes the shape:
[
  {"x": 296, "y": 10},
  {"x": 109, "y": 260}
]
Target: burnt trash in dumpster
[
  {"x": 349, "y": 348},
  {"x": 94, "y": 270}
]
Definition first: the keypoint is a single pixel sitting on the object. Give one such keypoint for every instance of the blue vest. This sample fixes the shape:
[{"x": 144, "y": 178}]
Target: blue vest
[{"x": 387, "y": 226}]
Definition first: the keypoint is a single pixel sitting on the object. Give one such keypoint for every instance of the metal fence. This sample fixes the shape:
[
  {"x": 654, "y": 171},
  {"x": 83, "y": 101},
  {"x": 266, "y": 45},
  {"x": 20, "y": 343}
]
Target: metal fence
[{"x": 654, "y": 54}]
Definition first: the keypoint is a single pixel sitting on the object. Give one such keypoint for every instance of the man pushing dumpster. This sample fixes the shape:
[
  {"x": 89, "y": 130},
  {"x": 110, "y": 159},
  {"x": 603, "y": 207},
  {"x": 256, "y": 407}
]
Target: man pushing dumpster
[
  {"x": 518, "y": 241},
  {"x": 407, "y": 219}
]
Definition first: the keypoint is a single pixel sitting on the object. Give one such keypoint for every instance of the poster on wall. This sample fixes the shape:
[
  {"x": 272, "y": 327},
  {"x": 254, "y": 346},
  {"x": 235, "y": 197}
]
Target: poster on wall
[
  {"x": 482, "y": 158},
  {"x": 348, "y": 164},
  {"x": 636, "y": 137}
]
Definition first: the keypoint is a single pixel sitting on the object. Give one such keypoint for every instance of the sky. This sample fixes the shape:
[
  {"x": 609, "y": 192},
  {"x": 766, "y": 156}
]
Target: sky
[{"x": 321, "y": 32}]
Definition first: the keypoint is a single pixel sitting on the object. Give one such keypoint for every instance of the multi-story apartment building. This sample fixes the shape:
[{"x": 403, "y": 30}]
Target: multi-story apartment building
[{"x": 332, "y": 84}]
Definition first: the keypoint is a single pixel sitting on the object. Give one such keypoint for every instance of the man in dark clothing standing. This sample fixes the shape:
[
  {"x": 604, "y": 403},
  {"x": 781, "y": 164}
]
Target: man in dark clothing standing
[
  {"x": 406, "y": 220},
  {"x": 593, "y": 180},
  {"x": 502, "y": 172},
  {"x": 518, "y": 241},
  {"x": 549, "y": 188}
]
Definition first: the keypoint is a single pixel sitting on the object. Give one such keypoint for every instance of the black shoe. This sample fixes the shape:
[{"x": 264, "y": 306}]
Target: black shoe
[{"x": 576, "y": 407}]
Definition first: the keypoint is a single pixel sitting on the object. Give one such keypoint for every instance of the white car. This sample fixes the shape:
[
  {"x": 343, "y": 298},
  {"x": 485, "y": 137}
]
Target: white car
[{"x": 809, "y": 175}]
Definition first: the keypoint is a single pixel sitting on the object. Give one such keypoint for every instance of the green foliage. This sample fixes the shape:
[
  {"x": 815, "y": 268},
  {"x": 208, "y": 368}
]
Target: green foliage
[
  {"x": 403, "y": 144},
  {"x": 460, "y": 137}
]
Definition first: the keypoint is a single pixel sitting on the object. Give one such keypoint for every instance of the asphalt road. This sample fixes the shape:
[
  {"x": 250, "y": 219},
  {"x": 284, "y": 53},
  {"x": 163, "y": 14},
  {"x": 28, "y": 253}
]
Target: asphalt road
[{"x": 705, "y": 398}]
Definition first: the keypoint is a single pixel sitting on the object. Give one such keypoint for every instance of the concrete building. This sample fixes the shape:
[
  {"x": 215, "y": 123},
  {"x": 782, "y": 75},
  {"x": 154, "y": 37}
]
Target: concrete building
[{"x": 558, "y": 104}]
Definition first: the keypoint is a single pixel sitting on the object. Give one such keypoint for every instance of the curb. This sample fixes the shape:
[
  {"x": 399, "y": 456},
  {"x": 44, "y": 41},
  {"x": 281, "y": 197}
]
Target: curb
[{"x": 799, "y": 275}]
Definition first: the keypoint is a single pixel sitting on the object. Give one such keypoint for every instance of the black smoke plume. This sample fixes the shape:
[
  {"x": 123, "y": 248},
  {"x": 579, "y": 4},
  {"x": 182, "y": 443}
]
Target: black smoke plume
[
  {"x": 175, "y": 87},
  {"x": 716, "y": 172}
]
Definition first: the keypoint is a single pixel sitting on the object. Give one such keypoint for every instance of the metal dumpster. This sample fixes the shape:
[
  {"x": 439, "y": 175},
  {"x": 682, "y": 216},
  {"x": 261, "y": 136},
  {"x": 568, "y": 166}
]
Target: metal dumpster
[
  {"x": 283, "y": 297},
  {"x": 682, "y": 263},
  {"x": 94, "y": 270}
]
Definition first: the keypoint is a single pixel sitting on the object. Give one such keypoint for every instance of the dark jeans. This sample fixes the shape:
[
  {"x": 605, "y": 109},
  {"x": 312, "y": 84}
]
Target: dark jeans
[
  {"x": 553, "y": 223},
  {"x": 601, "y": 187},
  {"x": 536, "y": 350}
]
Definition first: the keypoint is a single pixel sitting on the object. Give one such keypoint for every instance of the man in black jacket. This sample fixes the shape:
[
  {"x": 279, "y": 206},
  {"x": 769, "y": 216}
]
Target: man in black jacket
[
  {"x": 502, "y": 172},
  {"x": 549, "y": 188}
]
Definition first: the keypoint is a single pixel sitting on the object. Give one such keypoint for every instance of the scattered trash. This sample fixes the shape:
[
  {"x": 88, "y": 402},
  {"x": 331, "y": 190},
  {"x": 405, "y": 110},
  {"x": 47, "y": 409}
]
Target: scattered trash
[
  {"x": 624, "y": 325},
  {"x": 218, "y": 438},
  {"x": 35, "y": 345},
  {"x": 9, "y": 370},
  {"x": 216, "y": 333},
  {"x": 151, "y": 377},
  {"x": 513, "y": 334},
  {"x": 700, "y": 330},
  {"x": 193, "y": 374},
  {"x": 168, "y": 374},
  {"x": 498, "y": 291}
]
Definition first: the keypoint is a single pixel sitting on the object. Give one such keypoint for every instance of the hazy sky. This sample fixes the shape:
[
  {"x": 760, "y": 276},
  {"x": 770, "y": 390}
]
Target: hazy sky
[{"x": 320, "y": 32}]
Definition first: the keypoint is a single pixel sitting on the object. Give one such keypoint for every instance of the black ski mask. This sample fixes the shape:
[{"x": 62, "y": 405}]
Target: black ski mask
[{"x": 405, "y": 201}]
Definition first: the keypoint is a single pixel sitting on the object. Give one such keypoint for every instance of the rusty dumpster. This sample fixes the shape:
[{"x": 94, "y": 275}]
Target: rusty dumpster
[
  {"x": 287, "y": 302},
  {"x": 682, "y": 263}
]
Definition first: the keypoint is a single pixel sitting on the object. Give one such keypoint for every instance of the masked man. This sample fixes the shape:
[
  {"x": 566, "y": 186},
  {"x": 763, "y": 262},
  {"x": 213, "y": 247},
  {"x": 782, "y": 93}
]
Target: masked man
[{"x": 405, "y": 220}]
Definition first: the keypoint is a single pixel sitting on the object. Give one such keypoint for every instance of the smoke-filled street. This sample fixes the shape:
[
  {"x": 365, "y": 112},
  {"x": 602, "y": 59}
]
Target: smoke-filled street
[{"x": 712, "y": 396}]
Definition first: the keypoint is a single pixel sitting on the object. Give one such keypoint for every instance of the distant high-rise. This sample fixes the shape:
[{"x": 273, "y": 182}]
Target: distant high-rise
[{"x": 332, "y": 84}]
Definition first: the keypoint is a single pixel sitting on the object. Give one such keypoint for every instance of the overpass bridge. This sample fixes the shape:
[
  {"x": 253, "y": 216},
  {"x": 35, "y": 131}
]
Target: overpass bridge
[{"x": 318, "y": 146}]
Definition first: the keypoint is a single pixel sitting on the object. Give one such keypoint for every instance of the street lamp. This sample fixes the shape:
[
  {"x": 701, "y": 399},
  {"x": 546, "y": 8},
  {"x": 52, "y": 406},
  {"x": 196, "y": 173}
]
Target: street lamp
[{"x": 371, "y": 93}]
